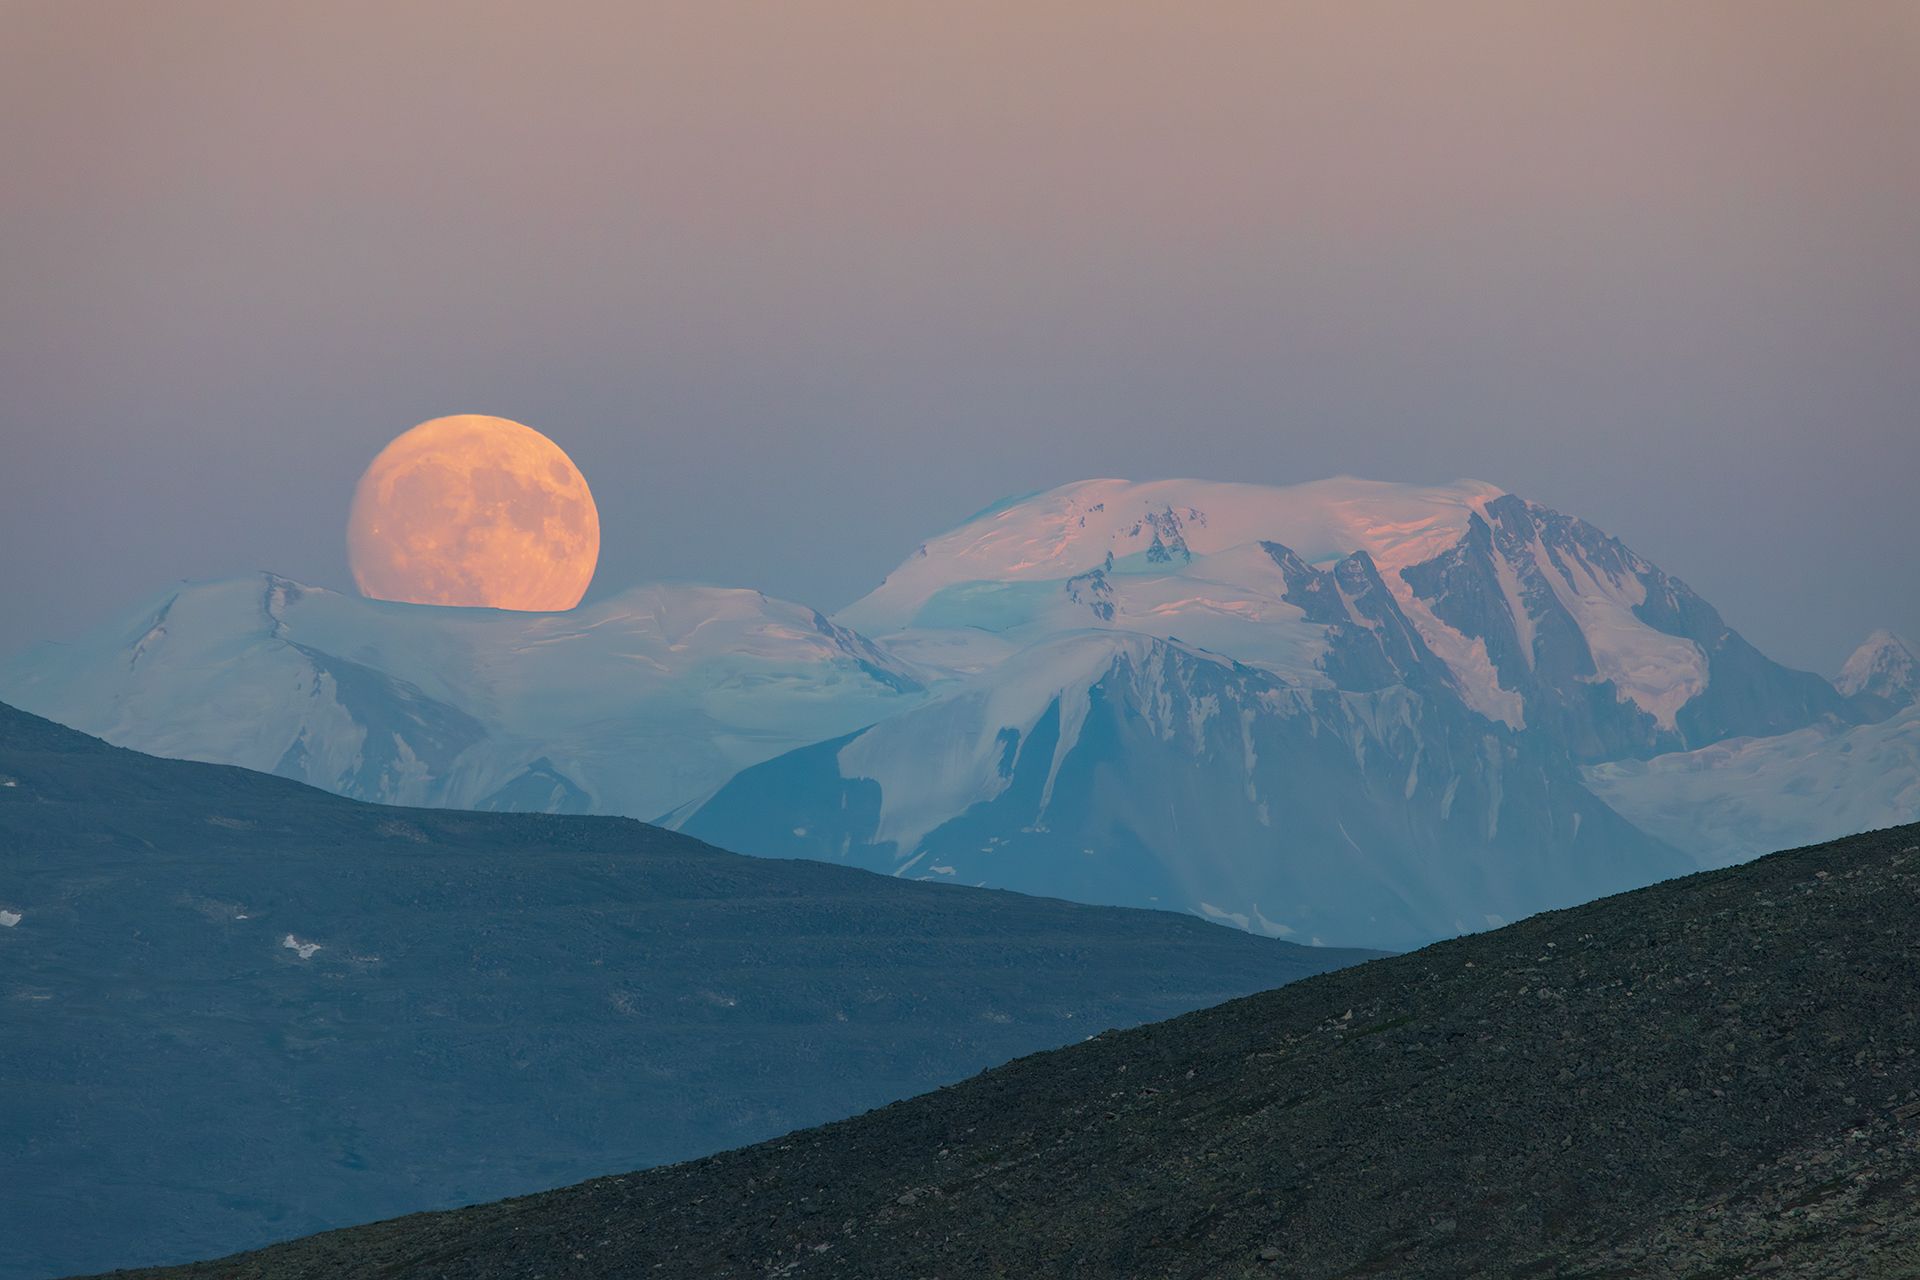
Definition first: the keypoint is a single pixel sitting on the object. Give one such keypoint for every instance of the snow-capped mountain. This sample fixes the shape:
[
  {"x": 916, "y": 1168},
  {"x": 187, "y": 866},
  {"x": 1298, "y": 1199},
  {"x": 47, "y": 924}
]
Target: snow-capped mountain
[
  {"x": 1352, "y": 710},
  {"x": 1598, "y": 648},
  {"x": 1205, "y": 563},
  {"x": 1341, "y": 709},
  {"x": 631, "y": 705},
  {"x": 1882, "y": 676},
  {"x": 1104, "y": 766},
  {"x": 1542, "y": 620},
  {"x": 1048, "y": 538}
]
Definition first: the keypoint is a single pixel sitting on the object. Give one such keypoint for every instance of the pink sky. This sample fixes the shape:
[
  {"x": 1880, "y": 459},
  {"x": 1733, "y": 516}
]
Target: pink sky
[{"x": 846, "y": 272}]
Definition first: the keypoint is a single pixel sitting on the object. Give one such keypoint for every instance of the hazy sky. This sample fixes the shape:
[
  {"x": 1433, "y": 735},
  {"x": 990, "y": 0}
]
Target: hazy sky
[{"x": 799, "y": 285}]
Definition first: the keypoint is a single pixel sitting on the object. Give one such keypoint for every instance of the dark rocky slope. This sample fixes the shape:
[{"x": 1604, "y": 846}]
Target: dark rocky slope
[
  {"x": 1713, "y": 1077},
  {"x": 234, "y": 1009}
]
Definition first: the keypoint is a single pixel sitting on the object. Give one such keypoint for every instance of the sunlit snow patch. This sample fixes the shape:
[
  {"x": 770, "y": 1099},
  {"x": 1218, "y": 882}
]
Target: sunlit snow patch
[
  {"x": 8, "y": 919},
  {"x": 304, "y": 950}
]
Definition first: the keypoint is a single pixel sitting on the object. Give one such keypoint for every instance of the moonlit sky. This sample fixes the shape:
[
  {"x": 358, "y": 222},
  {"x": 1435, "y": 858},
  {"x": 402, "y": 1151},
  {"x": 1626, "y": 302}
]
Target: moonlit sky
[{"x": 800, "y": 285}]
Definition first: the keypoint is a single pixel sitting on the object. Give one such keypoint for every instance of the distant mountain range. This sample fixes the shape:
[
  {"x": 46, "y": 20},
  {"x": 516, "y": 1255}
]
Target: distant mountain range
[
  {"x": 1711, "y": 1077},
  {"x": 234, "y": 1009},
  {"x": 1347, "y": 711},
  {"x": 627, "y": 706}
]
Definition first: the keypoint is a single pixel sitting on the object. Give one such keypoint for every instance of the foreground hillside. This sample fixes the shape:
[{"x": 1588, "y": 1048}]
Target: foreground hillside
[
  {"x": 1715, "y": 1076},
  {"x": 234, "y": 1009}
]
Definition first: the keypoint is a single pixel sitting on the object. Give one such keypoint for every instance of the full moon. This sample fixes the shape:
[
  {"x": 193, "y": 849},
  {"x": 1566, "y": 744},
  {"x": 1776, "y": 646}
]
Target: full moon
[{"x": 473, "y": 510}]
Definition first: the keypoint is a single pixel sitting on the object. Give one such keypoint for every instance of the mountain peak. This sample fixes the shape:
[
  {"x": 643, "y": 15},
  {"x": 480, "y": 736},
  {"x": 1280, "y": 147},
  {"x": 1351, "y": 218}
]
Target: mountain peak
[
  {"x": 1884, "y": 670},
  {"x": 1075, "y": 528}
]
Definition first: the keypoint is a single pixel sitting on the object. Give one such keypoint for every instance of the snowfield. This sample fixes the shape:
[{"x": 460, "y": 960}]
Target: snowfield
[{"x": 1738, "y": 799}]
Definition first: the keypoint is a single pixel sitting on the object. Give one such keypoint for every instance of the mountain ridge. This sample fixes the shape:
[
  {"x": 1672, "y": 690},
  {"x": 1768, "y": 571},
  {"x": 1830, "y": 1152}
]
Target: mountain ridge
[
  {"x": 418, "y": 704},
  {"x": 1520, "y": 643}
]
